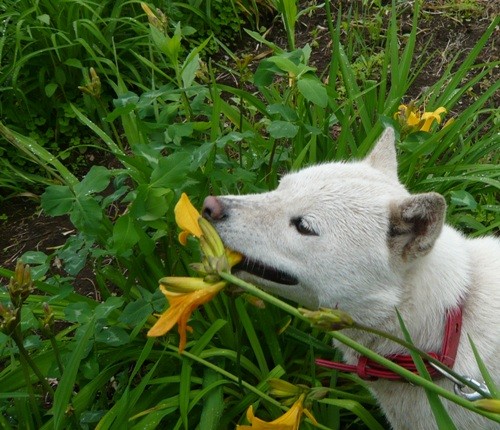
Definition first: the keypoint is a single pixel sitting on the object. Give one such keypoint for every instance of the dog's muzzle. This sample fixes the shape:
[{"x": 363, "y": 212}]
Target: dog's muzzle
[{"x": 266, "y": 272}]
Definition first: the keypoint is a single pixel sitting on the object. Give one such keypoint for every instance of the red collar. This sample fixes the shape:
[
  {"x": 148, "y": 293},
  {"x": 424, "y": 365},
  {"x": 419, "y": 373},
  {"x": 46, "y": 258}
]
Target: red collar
[{"x": 370, "y": 370}]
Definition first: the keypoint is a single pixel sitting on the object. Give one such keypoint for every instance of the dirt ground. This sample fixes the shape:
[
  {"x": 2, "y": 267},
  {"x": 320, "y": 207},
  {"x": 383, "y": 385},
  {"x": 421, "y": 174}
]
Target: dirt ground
[{"x": 442, "y": 30}]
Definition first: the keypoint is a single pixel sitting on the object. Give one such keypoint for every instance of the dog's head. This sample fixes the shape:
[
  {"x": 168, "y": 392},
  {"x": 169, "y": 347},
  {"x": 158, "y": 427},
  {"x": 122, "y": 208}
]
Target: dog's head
[{"x": 336, "y": 234}]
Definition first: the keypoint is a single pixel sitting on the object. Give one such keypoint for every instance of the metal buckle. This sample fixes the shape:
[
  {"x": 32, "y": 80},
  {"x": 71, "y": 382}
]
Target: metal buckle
[{"x": 474, "y": 390}]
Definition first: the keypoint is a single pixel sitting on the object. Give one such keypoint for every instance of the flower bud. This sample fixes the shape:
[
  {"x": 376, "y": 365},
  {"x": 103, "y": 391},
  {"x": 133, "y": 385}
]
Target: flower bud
[
  {"x": 491, "y": 405},
  {"x": 20, "y": 285},
  {"x": 328, "y": 319}
]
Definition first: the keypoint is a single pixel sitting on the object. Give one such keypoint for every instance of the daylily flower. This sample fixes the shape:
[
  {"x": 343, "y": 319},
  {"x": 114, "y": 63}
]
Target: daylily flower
[
  {"x": 160, "y": 21},
  {"x": 187, "y": 217},
  {"x": 181, "y": 306},
  {"x": 185, "y": 294},
  {"x": 411, "y": 119},
  {"x": 430, "y": 117},
  {"x": 289, "y": 421}
]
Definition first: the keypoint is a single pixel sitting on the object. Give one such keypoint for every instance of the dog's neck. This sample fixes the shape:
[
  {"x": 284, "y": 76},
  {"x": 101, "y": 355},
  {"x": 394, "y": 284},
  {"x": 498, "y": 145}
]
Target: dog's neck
[{"x": 423, "y": 303}]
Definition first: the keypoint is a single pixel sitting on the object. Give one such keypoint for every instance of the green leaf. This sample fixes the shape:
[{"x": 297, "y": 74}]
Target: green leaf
[
  {"x": 57, "y": 200},
  {"x": 125, "y": 235},
  {"x": 189, "y": 69},
  {"x": 44, "y": 18},
  {"x": 151, "y": 203},
  {"x": 286, "y": 65},
  {"x": 135, "y": 312},
  {"x": 264, "y": 75},
  {"x": 95, "y": 181},
  {"x": 171, "y": 171},
  {"x": 282, "y": 129},
  {"x": 39, "y": 263},
  {"x": 463, "y": 198},
  {"x": 73, "y": 62},
  {"x": 286, "y": 112},
  {"x": 357, "y": 409},
  {"x": 50, "y": 89},
  {"x": 66, "y": 385},
  {"x": 313, "y": 90},
  {"x": 113, "y": 336},
  {"x": 104, "y": 309},
  {"x": 78, "y": 312},
  {"x": 86, "y": 216},
  {"x": 74, "y": 254}
]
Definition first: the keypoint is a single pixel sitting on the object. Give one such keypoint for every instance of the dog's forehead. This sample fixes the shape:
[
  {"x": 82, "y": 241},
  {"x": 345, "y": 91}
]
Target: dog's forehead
[{"x": 337, "y": 176}]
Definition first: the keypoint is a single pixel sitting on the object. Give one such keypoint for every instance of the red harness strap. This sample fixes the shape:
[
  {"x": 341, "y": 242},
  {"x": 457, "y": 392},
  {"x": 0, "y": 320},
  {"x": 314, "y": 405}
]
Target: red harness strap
[{"x": 370, "y": 370}]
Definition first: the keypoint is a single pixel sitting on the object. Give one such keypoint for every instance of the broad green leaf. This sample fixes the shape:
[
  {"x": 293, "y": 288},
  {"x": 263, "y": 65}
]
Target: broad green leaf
[
  {"x": 103, "y": 310},
  {"x": 135, "y": 312},
  {"x": 286, "y": 65},
  {"x": 50, "y": 89},
  {"x": 78, "y": 312},
  {"x": 95, "y": 181},
  {"x": 57, "y": 200},
  {"x": 313, "y": 90},
  {"x": 39, "y": 263},
  {"x": 86, "y": 216},
  {"x": 171, "y": 171},
  {"x": 113, "y": 336},
  {"x": 125, "y": 235},
  {"x": 286, "y": 112},
  {"x": 283, "y": 129},
  {"x": 264, "y": 75},
  {"x": 150, "y": 203}
]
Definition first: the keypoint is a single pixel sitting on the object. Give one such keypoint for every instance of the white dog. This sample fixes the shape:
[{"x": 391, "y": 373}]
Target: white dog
[{"x": 349, "y": 235}]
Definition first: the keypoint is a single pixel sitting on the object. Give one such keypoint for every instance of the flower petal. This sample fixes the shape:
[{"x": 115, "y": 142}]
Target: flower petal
[
  {"x": 413, "y": 119},
  {"x": 288, "y": 421},
  {"x": 181, "y": 306},
  {"x": 186, "y": 217}
]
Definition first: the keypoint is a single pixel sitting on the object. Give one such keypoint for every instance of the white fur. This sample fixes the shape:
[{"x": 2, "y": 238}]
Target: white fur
[{"x": 355, "y": 265}]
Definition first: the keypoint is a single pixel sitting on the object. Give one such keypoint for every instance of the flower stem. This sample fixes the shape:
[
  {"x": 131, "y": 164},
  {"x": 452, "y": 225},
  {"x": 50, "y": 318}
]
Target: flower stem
[
  {"x": 422, "y": 354},
  {"x": 237, "y": 380},
  {"x": 34, "y": 406},
  {"x": 27, "y": 359},
  {"x": 406, "y": 374}
]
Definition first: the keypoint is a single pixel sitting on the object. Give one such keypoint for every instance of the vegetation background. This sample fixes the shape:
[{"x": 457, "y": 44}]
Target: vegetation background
[{"x": 107, "y": 115}]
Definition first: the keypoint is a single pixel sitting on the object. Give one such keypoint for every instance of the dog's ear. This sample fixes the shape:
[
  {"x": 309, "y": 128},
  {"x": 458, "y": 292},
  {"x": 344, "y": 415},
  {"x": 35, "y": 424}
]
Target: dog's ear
[
  {"x": 415, "y": 223},
  {"x": 383, "y": 155}
]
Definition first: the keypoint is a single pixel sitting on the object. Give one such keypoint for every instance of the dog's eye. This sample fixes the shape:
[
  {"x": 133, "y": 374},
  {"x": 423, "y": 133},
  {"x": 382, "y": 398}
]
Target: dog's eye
[{"x": 303, "y": 227}]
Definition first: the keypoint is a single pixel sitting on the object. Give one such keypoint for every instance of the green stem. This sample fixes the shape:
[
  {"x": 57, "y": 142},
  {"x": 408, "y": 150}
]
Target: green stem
[
  {"x": 55, "y": 348},
  {"x": 422, "y": 354},
  {"x": 29, "y": 387},
  {"x": 406, "y": 374},
  {"x": 237, "y": 380},
  {"x": 25, "y": 355}
]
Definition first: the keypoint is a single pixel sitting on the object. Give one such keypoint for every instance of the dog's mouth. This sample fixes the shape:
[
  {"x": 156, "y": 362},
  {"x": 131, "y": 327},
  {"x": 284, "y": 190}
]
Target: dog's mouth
[{"x": 266, "y": 272}]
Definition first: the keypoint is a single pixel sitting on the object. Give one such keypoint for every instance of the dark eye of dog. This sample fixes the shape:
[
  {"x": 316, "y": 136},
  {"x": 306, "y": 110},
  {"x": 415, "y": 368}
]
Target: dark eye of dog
[{"x": 303, "y": 227}]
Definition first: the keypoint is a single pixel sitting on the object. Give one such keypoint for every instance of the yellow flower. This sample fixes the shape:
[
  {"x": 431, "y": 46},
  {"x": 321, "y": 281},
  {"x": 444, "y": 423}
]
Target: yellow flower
[
  {"x": 430, "y": 117},
  {"x": 187, "y": 217},
  {"x": 181, "y": 306},
  {"x": 289, "y": 421},
  {"x": 412, "y": 120},
  {"x": 185, "y": 294}
]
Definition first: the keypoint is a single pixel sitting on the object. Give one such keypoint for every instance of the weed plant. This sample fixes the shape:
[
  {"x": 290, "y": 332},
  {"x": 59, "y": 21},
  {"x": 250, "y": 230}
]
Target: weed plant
[{"x": 174, "y": 128}]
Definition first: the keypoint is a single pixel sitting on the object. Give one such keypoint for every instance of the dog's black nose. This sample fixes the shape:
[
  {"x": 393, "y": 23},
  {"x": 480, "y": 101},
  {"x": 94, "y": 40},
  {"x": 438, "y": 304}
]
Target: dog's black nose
[{"x": 213, "y": 209}]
